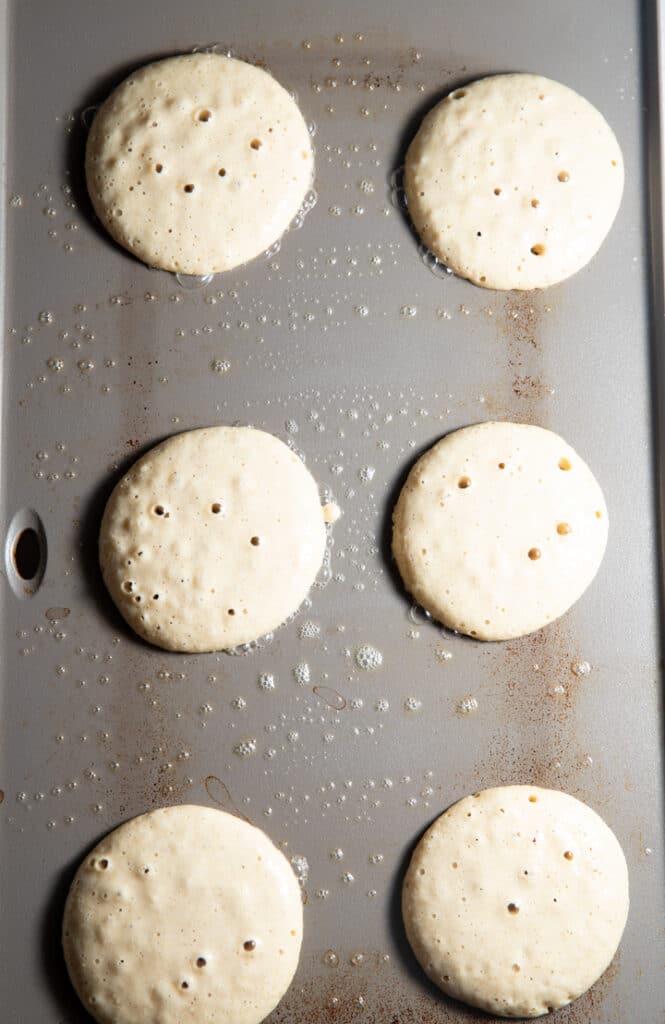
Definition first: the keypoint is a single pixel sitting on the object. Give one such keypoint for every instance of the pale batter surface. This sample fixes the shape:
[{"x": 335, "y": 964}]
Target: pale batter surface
[
  {"x": 514, "y": 181},
  {"x": 515, "y": 900},
  {"x": 198, "y": 163},
  {"x": 499, "y": 529},
  {"x": 185, "y": 915},
  {"x": 212, "y": 539}
]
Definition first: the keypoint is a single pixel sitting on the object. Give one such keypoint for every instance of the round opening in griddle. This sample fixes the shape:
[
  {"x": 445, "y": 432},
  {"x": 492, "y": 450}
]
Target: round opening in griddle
[{"x": 27, "y": 554}]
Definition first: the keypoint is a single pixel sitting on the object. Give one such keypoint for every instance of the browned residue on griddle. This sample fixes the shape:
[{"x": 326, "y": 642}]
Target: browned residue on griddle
[
  {"x": 529, "y": 387},
  {"x": 521, "y": 389},
  {"x": 398, "y": 992},
  {"x": 57, "y": 614},
  {"x": 520, "y": 323},
  {"x": 534, "y": 728},
  {"x": 538, "y": 667},
  {"x": 376, "y": 993},
  {"x": 522, "y": 314}
]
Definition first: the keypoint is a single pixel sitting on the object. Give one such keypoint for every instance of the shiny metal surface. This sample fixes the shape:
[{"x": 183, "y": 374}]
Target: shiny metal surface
[{"x": 345, "y": 344}]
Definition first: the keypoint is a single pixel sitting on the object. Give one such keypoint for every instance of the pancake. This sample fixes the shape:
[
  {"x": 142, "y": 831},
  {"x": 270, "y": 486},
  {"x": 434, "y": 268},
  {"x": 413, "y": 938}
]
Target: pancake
[
  {"x": 212, "y": 539},
  {"x": 499, "y": 529},
  {"x": 516, "y": 899},
  {"x": 514, "y": 181},
  {"x": 184, "y": 915},
  {"x": 198, "y": 163}
]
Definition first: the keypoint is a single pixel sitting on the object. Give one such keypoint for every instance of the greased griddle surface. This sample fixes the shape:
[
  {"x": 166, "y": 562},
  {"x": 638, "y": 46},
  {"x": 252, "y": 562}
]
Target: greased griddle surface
[{"x": 346, "y": 345}]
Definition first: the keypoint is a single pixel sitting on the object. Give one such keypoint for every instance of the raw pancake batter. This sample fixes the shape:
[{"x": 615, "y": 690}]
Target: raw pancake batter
[
  {"x": 514, "y": 181},
  {"x": 185, "y": 915},
  {"x": 499, "y": 529},
  {"x": 212, "y": 539},
  {"x": 515, "y": 900},
  {"x": 198, "y": 163}
]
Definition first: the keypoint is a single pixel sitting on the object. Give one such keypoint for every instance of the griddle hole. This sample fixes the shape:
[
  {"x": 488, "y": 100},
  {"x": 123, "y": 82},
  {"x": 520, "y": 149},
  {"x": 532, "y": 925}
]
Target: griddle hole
[
  {"x": 256, "y": 144},
  {"x": 184, "y": 984},
  {"x": 538, "y": 249},
  {"x": 565, "y": 464},
  {"x": 534, "y": 555},
  {"x": 158, "y": 510},
  {"x": 563, "y": 528},
  {"x": 513, "y": 908},
  {"x": 568, "y": 855},
  {"x": 104, "y": 863},
  {"x": 188, "y": 189},
  {"x": 533, "y": 799},
  {"x": 159, "y": 168},
  {"x": 216, "y": 508},
  {"x": 201, "y": 961},
  {"x": 155, "y": 597},
  {"x": 464, "y": 482},
  {"x": 535, "y": 203},
  {"x": 205, "y": 116},
  {"x": 231, "y": 611},
  {"x": 497, "y": 191},
  {"x": 459, "y": 94},
  {"x": 249, "y": 945},
  {"x": 255, "y": 541},
  {"x": 27, "y": 554},
  {"x": 222, "y": 172},
  {"x": 517, "y": 968},
  {"x": 502, "y": 465},
  {"x": 138, "y": 598},
  {"x": 563, "y": 176},
  {"x": 128, "y": 586}
]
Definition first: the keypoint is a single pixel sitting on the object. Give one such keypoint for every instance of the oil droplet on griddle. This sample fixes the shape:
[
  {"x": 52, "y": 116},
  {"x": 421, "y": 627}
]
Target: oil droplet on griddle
[
  {"x": 190, "y": 282},
  {"x": 302, "y": 673},
  {"x": 245, "y": 748},
  {"x": 368, "y": 658},
  {"x": 466, "y": 706}
]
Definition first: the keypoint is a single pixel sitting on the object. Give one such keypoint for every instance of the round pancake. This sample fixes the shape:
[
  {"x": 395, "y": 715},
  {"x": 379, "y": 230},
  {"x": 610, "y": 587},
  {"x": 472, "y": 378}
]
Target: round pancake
[
  {"x": 184, "y": 915},
  {"x": 514, "y": 181},
  {"x": 499, "y": 529},
  {"x": 212, "y": 539},
  {"x": 198, "y": 163},
  {"x": 515, "y": 900}
]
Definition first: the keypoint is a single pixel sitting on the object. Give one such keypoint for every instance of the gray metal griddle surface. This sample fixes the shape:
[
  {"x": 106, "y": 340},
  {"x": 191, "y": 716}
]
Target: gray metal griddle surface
[{"x": 346, "y": 345}]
